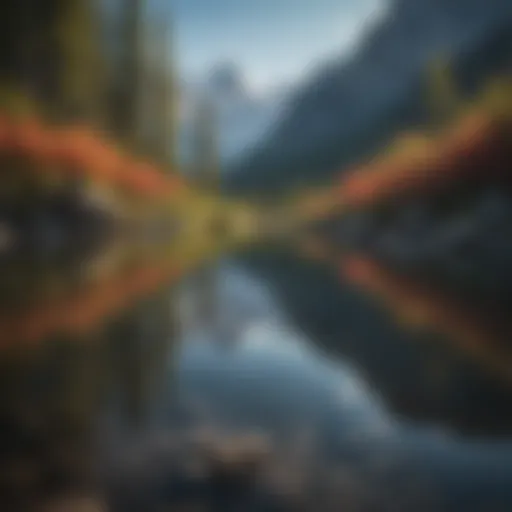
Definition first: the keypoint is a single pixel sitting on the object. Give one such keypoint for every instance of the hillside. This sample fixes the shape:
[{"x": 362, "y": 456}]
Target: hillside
[{"x": 351, "y": 109}]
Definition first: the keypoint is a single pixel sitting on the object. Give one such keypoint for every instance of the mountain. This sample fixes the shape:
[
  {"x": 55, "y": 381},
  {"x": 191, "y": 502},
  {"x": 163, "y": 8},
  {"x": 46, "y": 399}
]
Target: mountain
[
  {"x": 242, "y": 117},
  {"x": 351, "y": 108}
]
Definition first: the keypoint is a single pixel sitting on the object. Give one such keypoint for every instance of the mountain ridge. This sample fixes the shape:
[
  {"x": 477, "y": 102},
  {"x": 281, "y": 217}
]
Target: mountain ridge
[{"x": 351, "y": 108}]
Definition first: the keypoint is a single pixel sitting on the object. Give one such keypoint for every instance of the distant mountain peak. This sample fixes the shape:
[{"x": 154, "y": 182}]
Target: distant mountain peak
[
  {"x": 241, "y": 118},
  {"x": 226, "y": 80}
]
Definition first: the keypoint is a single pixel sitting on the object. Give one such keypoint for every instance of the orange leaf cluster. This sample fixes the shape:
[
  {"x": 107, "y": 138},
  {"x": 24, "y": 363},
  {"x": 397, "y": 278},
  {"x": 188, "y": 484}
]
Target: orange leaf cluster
[
  {"x": 479, "y": 332},
  {"x": 79, "y": 152},
  {"x": 476, "y": 148},
  {"x": 86, "y": 309}
]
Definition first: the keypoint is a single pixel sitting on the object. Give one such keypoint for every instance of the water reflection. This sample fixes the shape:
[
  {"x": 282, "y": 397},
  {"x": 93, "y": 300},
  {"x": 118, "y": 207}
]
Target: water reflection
[
  {"x": 478, "y": 328},
  {"x": 287, "y": 387}
]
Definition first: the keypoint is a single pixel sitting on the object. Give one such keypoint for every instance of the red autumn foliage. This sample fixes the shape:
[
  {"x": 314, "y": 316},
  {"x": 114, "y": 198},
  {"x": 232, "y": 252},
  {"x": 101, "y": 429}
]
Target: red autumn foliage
[
  {"x": 79, "y": 152},
  {"x": 482, "y": 333},
  {"x": 86, "y": 309},
  {"x": 475, "y": 149}
]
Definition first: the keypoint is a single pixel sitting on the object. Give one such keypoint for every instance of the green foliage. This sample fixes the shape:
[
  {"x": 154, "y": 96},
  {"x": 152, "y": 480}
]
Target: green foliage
[
  {"x": 205, "y": 146},
  {"x": 443, "y": 99},
  {"x": 497, "y": 96},
  {"x": 81, "y": 77},
  {"x": 17, "y": 102}
]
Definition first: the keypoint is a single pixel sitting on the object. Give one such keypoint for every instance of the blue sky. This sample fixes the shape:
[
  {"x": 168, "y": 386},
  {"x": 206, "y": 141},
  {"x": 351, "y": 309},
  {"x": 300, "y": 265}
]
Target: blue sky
[{"x": 273, "y": 41}]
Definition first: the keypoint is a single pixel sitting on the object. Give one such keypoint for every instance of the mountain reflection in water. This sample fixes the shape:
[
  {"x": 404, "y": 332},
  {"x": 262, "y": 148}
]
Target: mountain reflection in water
[{"x": 286, "y": 386}]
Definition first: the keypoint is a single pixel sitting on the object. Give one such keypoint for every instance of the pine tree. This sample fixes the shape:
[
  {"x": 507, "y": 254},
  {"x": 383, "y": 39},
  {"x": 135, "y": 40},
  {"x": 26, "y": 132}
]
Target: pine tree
[
  {"x": 28, "y": 53},
  {"x": 127, "y": 89},
  {"x": 159, "y": 96},
  {"x": 206, "y": 168},
  {"x": 169, "y": 99},
  {"x": 81, "y": 86},
  {"x": 443, "y": 94}
]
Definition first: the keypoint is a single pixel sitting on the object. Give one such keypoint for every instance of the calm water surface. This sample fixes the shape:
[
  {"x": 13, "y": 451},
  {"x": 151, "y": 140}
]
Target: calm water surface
[{"x": 265, "y": 381}]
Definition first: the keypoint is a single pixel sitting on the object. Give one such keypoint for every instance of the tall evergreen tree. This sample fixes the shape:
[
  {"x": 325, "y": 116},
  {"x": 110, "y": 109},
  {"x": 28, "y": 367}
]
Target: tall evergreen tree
[
  {"x": 443, "y": 95},
  {"x": 166, "y": 94},
  {"x": 127, "y": 90},
  {"x": 206, "y": 164},
  {"x": 158, "y": 96},
  {"x": 81, "y": 85}
]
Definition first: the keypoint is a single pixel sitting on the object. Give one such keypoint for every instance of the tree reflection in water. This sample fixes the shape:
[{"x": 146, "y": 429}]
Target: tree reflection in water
[{"x": 112, "y": 404}]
